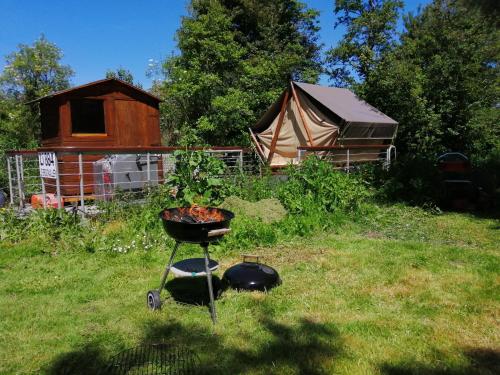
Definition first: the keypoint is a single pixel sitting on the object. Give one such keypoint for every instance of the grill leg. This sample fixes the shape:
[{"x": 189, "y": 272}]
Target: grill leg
[
  {"x": 167, "y": 270},
  {"x": 209, "y": 281}
]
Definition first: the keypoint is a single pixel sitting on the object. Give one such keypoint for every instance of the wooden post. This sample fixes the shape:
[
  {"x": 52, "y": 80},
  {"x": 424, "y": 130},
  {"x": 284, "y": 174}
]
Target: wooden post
[
  {"x": 304, "y": 123},
  {"x": 278, "y": 127}
]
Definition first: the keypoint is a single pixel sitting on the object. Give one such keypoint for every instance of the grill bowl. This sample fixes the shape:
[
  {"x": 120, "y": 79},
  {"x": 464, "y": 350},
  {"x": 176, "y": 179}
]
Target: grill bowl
[{"x": 195, "y": 232}]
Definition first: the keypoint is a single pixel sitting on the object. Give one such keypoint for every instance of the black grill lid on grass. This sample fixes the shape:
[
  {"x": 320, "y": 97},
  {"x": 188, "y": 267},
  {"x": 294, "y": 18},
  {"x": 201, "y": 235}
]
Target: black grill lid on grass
[{"x": 251, "y": 275}]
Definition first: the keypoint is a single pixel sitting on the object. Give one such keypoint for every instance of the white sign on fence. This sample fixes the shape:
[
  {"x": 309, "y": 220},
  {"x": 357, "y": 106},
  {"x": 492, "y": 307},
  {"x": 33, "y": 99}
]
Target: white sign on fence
[{"x": 47, "y": 164}]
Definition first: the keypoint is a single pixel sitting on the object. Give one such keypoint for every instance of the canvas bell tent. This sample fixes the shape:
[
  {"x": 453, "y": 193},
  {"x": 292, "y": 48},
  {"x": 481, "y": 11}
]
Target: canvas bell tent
[{"x": 325, "y": 120}]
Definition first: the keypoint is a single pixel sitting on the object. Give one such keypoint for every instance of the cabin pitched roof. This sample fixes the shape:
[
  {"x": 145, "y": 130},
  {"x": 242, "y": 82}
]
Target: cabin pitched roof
[{"x": 97, "y": 83}]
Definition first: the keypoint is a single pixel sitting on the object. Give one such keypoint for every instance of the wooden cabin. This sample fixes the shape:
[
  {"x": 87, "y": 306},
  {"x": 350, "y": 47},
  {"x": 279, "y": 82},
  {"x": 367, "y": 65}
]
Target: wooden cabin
[{"x": 106, "y": 113}]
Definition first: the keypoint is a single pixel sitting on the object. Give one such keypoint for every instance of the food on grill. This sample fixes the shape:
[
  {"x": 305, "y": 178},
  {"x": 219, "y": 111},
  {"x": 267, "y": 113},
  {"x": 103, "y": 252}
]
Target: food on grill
[{"x": 194, "y": 215}]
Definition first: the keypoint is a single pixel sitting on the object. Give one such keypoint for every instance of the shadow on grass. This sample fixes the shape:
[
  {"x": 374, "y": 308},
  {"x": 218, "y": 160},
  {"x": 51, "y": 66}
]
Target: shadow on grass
[
  {"x": 303, "y": 348},
  {"x": 87, "y": 360},
  {"x": 481, "y": 361},
  {"x": 193, "y": 290}
]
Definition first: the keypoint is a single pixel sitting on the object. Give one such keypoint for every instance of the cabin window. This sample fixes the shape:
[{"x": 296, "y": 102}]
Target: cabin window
[{"x": 87, "y": 116}]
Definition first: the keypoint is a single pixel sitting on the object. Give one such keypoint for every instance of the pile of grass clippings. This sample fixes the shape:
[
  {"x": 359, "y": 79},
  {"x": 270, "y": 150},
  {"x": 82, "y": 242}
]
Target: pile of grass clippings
[{"x": 268, "y": 210}]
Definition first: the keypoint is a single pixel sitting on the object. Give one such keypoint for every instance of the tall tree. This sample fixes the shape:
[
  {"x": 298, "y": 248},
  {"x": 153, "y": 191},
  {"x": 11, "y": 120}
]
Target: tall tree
[
  {"x": 236, "y": 56},
  {"x": 30, "y": 72},
  {"x": 34, "y": 71},
  {"x": 122, "y": 74},
  {"x": 442, "y": 82},
  {"x": 370, "y": 31}
]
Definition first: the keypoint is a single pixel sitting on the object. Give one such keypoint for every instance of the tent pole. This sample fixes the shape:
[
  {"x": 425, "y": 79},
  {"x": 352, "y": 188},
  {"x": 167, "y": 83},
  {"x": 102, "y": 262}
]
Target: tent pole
[
  {"x": 278, "y": 127},
  {"x": 257, "y": 145},
  {"x": 299, "y": 106}
]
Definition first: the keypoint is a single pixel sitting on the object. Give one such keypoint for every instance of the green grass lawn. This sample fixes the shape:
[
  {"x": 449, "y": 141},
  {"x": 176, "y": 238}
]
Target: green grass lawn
[{"x": 403, "y": 292}]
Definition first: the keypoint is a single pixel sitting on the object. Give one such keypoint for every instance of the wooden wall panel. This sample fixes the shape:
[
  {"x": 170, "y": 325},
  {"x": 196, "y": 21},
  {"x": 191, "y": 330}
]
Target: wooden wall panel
[{"x": 132, "y": 123}]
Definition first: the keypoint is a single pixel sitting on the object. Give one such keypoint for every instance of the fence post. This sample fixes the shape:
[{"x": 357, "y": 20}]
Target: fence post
[
  {"x": 58, "y": 183},
  {"x": 11, "y": 190},
  {"x": 348, "y": 161},
  {"x": 82, "y": 192},
  {"x": 21, "y": 165},
  {"x": 148, "y": 168},
  {"x": 241, "y": 160},
  {"x": 44, "y": 192},
  {"x": 19, "y": 183}
]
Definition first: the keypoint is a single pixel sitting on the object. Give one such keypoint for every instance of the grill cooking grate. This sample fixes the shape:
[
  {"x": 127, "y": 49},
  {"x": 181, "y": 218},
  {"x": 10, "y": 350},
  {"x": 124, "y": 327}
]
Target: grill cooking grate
[{"x": 154, "y": 359}]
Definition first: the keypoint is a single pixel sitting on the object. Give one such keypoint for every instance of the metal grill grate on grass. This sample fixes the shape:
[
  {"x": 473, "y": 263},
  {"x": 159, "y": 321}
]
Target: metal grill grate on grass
[{"x": 154, "y": 359}]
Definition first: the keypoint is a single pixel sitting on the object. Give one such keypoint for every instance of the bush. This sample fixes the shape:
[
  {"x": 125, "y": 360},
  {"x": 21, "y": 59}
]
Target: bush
[
  {"x": 413, "y": 180},
  {"x": 45, "y": 225},
  {"x": 486, "y": 173},
  {"x": 315, "y": 184},
  {"x": 198, "y": 178}
]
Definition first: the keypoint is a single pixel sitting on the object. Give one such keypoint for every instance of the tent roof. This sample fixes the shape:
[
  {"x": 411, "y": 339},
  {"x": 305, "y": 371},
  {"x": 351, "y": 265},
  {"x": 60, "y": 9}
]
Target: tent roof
[
  {"x": 345, "y": 104},
  {"x": 341, "y": 102}
]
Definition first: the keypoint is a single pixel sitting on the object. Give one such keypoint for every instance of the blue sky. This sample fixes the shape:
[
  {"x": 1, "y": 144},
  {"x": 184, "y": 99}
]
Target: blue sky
[{"x": 99, "y": 35}]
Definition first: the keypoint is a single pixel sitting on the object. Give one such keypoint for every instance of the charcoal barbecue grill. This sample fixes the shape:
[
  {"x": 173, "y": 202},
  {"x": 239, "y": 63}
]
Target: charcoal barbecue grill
[{"x": 199, "y": 225}]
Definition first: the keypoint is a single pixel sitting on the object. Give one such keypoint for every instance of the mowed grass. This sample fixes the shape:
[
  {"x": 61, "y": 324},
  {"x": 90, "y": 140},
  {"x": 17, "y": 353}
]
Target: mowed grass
[{"x": 399, "y": 292}]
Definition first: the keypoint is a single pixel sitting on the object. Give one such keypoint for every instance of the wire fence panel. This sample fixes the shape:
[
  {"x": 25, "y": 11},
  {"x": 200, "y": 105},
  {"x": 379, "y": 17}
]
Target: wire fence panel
[
  {"x": 103, "y": 175},
  {"x": 347, "y": 158},
  {"x": 80, "y": 175}
]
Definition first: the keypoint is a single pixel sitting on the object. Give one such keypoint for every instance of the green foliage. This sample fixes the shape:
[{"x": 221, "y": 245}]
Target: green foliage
[
  {"x": 198, "y": 178},
  {"x": 255, "y": 188},
  {"x": 31, "y": 72},
  {"x": 316, "y": 196},
  {"x": 16, "y": 131},
  {"x": 414, "y": 180},
  {"x": 124, "y": 75},
  {"x": 486, "y": 173},
  {"x": 34, "y": 71},
  {"x": 236, "y": 57},
  {"x": 48, "y": 225},
  {"x": 441, "y": 83},
  {"x": 370, "y": 31},
  {"x": 315, "y": 184}
]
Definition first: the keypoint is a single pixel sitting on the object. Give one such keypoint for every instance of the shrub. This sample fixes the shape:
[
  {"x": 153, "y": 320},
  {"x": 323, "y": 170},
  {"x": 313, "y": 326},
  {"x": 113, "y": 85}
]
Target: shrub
[
  {"x": 315, "y": 184},
  {"x": 49, "y": 224},
  {"x": 412, "y": 179},
  {"x": 255, "y": 188},
  {"x": 486, "y": 174},
  {"x": 198, "y": 178}
]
